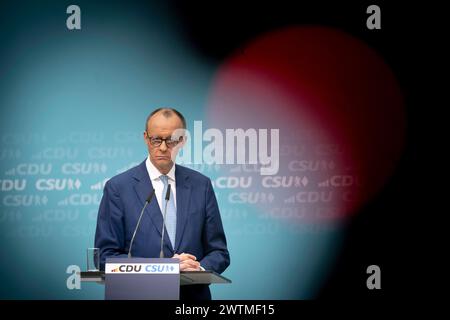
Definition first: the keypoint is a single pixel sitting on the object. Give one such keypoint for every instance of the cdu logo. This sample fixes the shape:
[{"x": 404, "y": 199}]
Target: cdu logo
[{"x": 129, "y": 268}]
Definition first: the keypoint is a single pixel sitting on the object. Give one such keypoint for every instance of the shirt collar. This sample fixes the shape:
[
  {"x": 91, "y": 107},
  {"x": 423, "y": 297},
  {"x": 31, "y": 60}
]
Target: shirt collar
[{"x": 154, "y": 173}]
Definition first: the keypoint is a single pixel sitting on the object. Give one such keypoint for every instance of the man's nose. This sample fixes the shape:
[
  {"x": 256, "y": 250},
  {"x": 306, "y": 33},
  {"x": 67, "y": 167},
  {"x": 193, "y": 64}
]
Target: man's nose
[{"x": 163, "y": 146}]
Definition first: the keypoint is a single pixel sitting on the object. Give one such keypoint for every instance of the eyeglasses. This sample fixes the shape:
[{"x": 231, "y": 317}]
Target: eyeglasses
[{"x": 157, "y": 141}]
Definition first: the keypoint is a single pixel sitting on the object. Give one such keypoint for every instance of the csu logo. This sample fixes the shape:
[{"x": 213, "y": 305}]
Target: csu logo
[{"x": 155, "y": 268}]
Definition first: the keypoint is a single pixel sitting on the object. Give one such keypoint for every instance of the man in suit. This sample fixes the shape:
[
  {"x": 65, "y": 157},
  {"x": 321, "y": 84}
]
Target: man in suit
[{"x": 193, "y": 229}]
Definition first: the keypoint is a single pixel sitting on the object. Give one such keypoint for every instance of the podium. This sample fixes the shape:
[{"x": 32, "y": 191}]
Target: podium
[{"x": 147, "y": 278}]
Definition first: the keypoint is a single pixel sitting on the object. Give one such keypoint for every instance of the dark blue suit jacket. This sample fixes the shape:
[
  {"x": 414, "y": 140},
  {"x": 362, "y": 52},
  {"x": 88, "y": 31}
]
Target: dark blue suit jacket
[{"x": 199, "y": 226}]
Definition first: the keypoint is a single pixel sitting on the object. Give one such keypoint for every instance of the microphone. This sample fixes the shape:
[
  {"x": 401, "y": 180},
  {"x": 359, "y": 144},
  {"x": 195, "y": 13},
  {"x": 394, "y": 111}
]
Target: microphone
[
  {"x": 161, "y": 253},
  {"x": 147, "y": 201}
]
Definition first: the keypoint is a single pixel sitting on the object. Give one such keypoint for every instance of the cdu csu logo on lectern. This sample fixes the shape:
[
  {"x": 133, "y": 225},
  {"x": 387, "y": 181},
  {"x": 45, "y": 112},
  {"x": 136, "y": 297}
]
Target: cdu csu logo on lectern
[{"x": 142, "y": 268}]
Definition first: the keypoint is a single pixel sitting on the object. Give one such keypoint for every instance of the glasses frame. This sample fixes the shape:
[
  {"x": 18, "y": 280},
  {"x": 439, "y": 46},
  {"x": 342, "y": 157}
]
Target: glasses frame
[{"x": 168, "y": 145}]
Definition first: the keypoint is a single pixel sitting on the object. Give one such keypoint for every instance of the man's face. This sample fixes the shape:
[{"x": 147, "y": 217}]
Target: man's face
[{"x": 159, "y": 126}]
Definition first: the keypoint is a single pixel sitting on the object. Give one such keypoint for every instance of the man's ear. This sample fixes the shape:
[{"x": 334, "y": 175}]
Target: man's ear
[
  {"x": 177, "y": 134},
  {"x": 145, "y": 136},
  {"x": 183, "y": 142}
]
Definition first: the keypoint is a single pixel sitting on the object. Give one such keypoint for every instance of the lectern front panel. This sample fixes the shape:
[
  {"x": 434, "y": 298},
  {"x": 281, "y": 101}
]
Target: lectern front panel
[{"x": 142, "y": 279}]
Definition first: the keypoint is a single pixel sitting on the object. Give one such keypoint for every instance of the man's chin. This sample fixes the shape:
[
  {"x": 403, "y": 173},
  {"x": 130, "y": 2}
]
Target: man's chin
[{"x": 164, "y": 164}]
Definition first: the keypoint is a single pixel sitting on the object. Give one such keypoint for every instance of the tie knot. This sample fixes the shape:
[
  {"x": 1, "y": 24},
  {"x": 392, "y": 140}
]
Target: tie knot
[{"x": 164, "y": 179}]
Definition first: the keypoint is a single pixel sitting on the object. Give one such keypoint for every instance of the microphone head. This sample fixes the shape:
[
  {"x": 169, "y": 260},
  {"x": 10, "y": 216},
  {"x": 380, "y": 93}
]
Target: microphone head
[
  {"x": 168, "y": 192},
  {"x": 149, "y": 198}
]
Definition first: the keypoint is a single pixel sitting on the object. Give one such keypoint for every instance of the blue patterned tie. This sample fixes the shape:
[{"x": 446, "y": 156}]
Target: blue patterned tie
[{"x": 171, "y": 215}]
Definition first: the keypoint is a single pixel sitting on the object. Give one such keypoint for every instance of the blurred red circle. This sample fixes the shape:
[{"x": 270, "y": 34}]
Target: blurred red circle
[{"x": 332, "y": 97}]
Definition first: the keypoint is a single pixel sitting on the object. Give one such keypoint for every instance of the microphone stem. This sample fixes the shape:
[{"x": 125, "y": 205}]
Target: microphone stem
[
  {"x": 149, "y": 198},
  {"x": 135, "y": 230}
]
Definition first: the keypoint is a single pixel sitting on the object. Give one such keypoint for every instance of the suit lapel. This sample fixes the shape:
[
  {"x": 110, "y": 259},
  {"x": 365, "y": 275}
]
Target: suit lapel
[
  {"x": 143, "y": 188},
  {"x": 183, "y": 197}
]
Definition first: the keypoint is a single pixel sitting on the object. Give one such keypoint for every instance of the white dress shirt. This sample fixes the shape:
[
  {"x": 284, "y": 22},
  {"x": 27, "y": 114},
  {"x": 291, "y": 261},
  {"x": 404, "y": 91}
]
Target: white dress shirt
[{"x": 158, "y": 185}]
